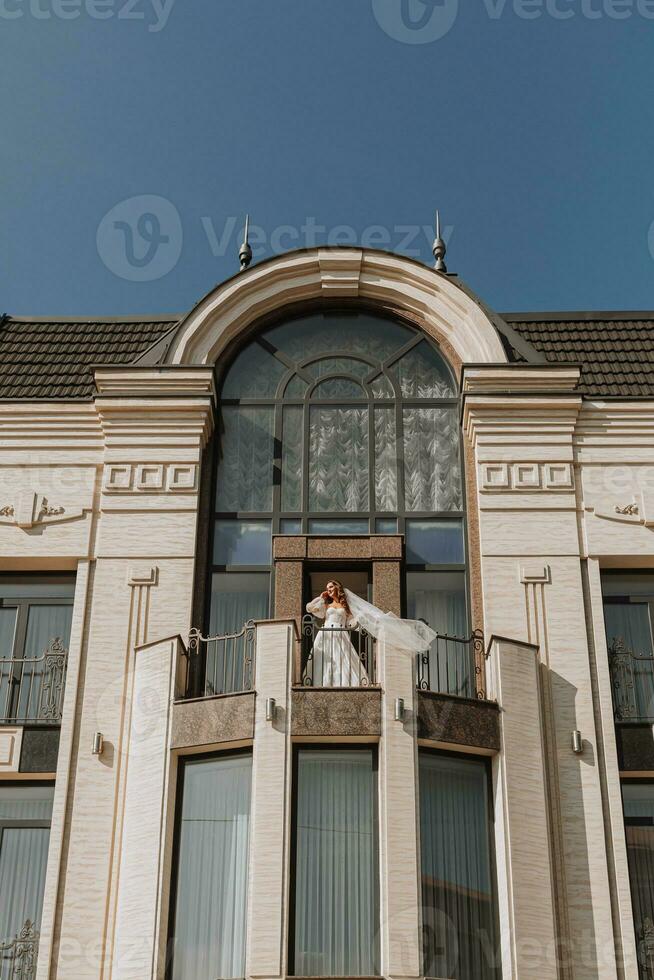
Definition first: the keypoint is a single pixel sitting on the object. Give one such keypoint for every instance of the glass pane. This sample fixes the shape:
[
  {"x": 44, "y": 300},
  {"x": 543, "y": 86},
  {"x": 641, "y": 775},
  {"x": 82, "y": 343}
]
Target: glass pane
[
  {"x": 336, "y": 891},
  {"x": 385, "y": 525},
  {"x": 439, "y": 599},
  {"x": 48, "y": 628},
  {"x": 434, "y": 543},
  {"x": 236, "y": 598},
  {"x": 242, "y": 543},
  {"x": 639, "y": 829},
  {"x": 292, "y": 455},
  {"x": 337, "y": 388},
  {"x": 457, "y": 890},
  {"x": 338, "y": 459},
  {"x": 338, "y": 365},
  {"x": 23, "y": 856},
  {"x": 7, "y": 629},
  {"x": 631, "y": 659},
  {"x": 347, "y": 526},
  {"x": 31, "y": 587},
  {"x": 245, "y": 472},
  {"x": 254, "y": 374},
  {"x": 211, "y": 901},
  {"x": 290, "y": 525},
  {"x": 372, "y": 336},
  {"x": 382, "y": 388},
  {"x": 385, "y": 459},
  {"x": 432, "y": 473},
  {"x": 422, "y": 373},
  {"x": 296, "y": 388}
]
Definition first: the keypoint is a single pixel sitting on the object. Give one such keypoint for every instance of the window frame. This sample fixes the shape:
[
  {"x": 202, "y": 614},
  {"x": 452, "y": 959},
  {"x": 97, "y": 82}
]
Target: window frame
[{"x": 336, "y": 746}]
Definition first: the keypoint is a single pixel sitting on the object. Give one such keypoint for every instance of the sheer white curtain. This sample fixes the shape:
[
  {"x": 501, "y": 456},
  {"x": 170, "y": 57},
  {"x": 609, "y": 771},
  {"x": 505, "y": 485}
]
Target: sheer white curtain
[
  {"x": 336, "y": 891},
  {"x": 630, "y": 623},
  {"x": 457, "y": 890},
  {"x": 210, "y": 911},
  {"x": 442, "y": 604},
  {"x": 23, "y": 855},
  {"x": 44, "y": 624},
  {"x": 638, "y": 802},
  {"x": 236, "y": 598}
]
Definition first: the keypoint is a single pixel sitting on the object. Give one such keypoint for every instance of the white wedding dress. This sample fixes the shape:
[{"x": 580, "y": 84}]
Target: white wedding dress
[{"x": 335, "y": 661}]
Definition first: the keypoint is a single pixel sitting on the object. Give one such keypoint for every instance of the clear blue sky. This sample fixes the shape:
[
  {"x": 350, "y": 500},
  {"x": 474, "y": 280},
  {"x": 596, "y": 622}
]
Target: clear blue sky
[{"x": 533, "y": 134}]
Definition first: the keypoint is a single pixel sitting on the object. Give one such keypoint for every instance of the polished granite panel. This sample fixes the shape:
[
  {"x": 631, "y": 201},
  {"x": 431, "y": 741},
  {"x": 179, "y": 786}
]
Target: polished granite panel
[
  {"x": 459, "y": 721},
  {"x": 321, "y": 712},
  {"x": 207, "y": 721}
]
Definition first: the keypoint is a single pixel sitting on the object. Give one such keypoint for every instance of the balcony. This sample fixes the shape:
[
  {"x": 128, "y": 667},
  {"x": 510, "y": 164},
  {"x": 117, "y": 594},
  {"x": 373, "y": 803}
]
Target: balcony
[
  {"x": 336, "y": 657},
  {"x": 632, "y": 682},
  {"x": 32, "y": 690},
  {"x": 453, "y": 665},
  {"x": 218, "y": 665},
  {"x": 18, "y": 956}
]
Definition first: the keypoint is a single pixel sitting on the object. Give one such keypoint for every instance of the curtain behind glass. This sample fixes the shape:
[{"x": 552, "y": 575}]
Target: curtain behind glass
[
  {"x": 338, "y": 459},
  {"x": 432, "y": 473},
  {"x": 336, "y": 899},
  {"x": 245, "y": 475},
  {"x": 457, "y": 892},
  {"x": 441, "y": 601},
  {"x": 629, "y": 624},
  {"x": 210, "y": 912},
  {"x": 236, "y": 598},
  {"x": 44, "y": 624},
  {"x": 23, "y": 856},
  {"x": 7, "y": 631},
  {"x": 639, "y": 820}
]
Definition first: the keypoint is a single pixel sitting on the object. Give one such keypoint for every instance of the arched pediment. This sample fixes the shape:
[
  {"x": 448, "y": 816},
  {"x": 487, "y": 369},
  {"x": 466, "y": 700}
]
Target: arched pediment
[{"x": 432, "y": 300}]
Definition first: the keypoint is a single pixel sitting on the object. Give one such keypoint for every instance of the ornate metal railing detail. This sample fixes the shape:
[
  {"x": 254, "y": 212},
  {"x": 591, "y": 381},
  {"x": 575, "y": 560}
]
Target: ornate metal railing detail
[
  {"x": 18, "y": 956},
  {"x": 221, "y": 664},
  {"x": 632, "y": 681},
  {"x": 336, "y": 657},
  {"x": 32, "y": 689},
  {"x": 454, "y": 665}
]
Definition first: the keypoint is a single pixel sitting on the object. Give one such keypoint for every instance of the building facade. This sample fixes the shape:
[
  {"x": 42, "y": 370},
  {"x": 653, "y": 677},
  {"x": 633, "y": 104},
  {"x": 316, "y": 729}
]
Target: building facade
[{"x": 192, "y": 784}]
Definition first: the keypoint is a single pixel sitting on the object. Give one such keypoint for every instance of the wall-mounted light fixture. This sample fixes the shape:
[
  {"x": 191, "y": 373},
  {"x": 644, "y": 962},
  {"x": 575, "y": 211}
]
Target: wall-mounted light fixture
[
  {"x": 399, "y": 709},
  {"x": 271, "y": 707},
  {"x": 577, "y": 743},
  {"x": 98, "y": 744}
]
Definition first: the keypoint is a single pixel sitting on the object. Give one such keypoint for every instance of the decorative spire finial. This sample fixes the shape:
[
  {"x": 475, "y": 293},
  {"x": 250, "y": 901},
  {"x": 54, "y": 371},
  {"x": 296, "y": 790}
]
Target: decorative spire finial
[
  {"x": 439, "y": 247},
  {"x": 245, "y": 252}
]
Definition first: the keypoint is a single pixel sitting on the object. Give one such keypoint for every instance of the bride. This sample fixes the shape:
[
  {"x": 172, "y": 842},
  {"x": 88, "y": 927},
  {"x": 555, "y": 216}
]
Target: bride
[{"x": 336, "y": 663}]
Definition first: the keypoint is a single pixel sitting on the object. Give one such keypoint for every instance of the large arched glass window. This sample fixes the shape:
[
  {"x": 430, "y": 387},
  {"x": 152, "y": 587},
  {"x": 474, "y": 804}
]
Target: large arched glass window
[{"x": 338, "y": 423}]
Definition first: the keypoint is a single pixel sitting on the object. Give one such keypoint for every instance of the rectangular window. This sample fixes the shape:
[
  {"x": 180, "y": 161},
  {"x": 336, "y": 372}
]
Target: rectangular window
[
  {"x": 236, "y": 598},
  {"x": 212, "y": 869},
  {"x": 458, "y": 894},
  {"x": 439, "y": 598},
  {"x": 638, "y": 801},
  {"x": 628, "y": 618},
  {"x": 25, "y": 814},
  {"x": 336, "y": 917},
  {"x": 242, "y": 543},
  {"x": 35, "y": 622}
]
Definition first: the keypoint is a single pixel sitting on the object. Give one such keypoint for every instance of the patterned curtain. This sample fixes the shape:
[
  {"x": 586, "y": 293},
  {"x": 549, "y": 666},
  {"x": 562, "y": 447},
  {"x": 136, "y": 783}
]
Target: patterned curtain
[
  {"x": 338, "y": 459},
  {"x": 292, "y": 453},
  {"x": 23, "y": 856},
  {"x": 385, "y": 460},
  {"x": 432, "y": 474},
  {"x": 245, "y": 477}
]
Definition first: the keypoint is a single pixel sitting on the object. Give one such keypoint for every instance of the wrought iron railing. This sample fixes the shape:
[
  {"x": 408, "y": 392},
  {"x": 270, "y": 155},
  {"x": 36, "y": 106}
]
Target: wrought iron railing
[
  {"x": 18, "y": 955},
  {"x": 336, "y": 656},
  {"x": 454, "y": 665},
  {"x": 32, "y": 689},
  {"x": 632, "y": 681},
  {"x": 220, "y": 664}
]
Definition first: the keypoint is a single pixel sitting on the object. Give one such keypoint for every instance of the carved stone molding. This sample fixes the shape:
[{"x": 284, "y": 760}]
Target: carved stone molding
[
  {"x": 526, "y": 477},
  {"x": 150, "y": 478},
  {"x": 31, "y": 509},
  {"x": 10, "y": 745},
  {"x": 639, "y": 510}
]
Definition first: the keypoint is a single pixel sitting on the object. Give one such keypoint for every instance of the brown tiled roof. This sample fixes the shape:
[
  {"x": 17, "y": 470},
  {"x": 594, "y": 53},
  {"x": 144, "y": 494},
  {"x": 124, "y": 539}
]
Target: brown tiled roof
[
  {"x": 615, "y": 350},
  {"x": 55, "y": 358}
]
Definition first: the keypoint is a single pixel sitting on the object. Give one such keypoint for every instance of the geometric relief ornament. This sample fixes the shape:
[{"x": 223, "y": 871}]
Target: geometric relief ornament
[
  {"x": 31, "y": 509},
  {"x": 497, "y": 477},
  {"x": 150, "y": 478}
]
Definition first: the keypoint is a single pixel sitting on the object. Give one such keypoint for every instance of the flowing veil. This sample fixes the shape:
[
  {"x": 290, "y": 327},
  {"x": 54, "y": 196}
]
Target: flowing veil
[{"x": 406, "y": 634}]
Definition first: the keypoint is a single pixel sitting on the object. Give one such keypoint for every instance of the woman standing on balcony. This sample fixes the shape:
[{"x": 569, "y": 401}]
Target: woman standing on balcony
[{"x": 335, "y": 661}]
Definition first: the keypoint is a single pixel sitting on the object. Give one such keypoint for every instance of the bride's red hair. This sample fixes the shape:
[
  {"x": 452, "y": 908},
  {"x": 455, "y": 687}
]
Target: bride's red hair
[{"x": 340, "y": 595}]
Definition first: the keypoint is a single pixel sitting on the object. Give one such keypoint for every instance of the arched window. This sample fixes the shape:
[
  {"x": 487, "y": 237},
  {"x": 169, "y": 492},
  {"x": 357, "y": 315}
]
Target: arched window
[{"x": 339, "y": 423}]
